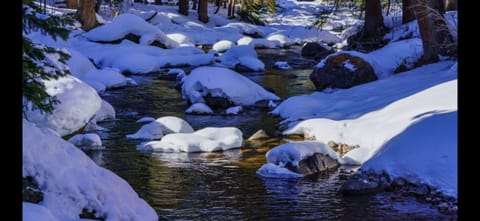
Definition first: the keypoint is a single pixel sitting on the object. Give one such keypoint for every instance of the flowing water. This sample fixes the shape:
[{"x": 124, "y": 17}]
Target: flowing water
[{"x": 224, "y": 186}]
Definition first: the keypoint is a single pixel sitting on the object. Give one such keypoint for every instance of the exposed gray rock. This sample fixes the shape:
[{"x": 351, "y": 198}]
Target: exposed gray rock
[
  {"x": 30, "y": 190},
  {"x": 314, "y": 164},
  {"x": 360, "y": 187},
  {"x": 342, "y": 71}
]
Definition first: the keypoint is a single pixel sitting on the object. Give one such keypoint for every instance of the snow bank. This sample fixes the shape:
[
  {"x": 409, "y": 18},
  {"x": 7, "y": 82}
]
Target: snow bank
[
  {"x": 425, "y": 152},
  {"x": 223, "y": 82},
  {"x": 357, "y": 101},
  {"x": 244, "y": 55},
  {"x": 209, "y": 139},
  {"x": 71, "y": 181},
  {"x": 78, "y": 104},
  {"x": 372, "y": 130},
  {"x": 161, "y": 126},
  {"x": 292, "y": 153},
  {"x": 125, "y": 24}
]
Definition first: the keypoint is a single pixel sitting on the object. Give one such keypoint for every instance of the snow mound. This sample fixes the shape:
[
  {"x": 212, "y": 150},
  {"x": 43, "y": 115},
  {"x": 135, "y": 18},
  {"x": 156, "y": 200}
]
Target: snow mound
[
  {"x": 199, "y": 108},
  {"x": 161, "y": 126},
  {"x": 129, "y": 24},
  {"x": 223, "y": 82},
  {"x": 282, "y": 65},
  {"x": 87, "y": 141},
  {"x": 71, "y": 181},
  {"x": 280, "y": 38},
  {"x": 234, "y": 110},
  {"x": 78, "y": 104},
  {"x": 372, "y": 130},
  {"x": 106, "y": 112},
  {"x": 259, "y": 42},
  {"x": 223, "y": 45},
  {"x": 292, "y": 153},
  {"x": 242, "y": 54},
  {"x": 209, "y": 139},
  {"x": 424, "y": 152}
]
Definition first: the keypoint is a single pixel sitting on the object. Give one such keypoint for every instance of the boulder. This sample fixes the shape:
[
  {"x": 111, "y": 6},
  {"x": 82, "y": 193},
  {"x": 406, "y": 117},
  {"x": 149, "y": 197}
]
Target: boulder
[
  {"x": 316, "y": 50},
  {"x": 314, "y": 164},
  {"x": 342, "y": 71}
]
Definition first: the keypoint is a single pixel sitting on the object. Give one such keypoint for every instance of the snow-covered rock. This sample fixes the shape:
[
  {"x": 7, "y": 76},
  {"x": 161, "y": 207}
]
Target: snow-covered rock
[
  {"x": 145, "y": 120},
  {"x": 244, "y": 55},
  {"x": 160, "y": 127},
  {"x": 106, "y": 112},
  {"x": 223, "y": 45},
  {"x": 78, "y": 104},
  {"x": 87, "y": 141},
  {"x": 71, "y": 181},
  {"x": 36, "y": 212},
  {"x": 425, "y": 152},
  {"x": 292, "y": 154},
  {"x": 282, "y": 65},
  {"x": 209, "y": 139},
  {"x": 199, "y": 108},
  {"x": 223, "y": 82},
  {"x": 129, "y": 24},
  {"x": 234, "y": 110}
]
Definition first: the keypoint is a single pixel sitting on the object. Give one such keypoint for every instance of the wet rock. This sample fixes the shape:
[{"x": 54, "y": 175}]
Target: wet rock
[
  {"x": 314, "y": 164},
  {"x": 311, "y": 49},
  {"x": 421, "y": 190},
  {"x": 342, "y": 71},
  {"x": 262, "y": 104},
  {"x": 217, "y": 102},
  {"x": 399, "y": 182},
  {"x": 86, "y": 214},
  {"x": 259, "y": 135},
  {"x": 360, "y": 187},
  {"x": 31, "y": 191}
]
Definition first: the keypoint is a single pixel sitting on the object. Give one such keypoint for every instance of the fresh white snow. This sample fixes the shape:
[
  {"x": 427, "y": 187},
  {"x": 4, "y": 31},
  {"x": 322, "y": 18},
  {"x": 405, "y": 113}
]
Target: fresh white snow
[
  {"x": 223, "y": 82},
  {"x": 244, "y": 55},
  {"x": 145, "y": 120},
  {"x": 71, "y": 181},
  {"x": 208, "y": 139},
  {"x": 425, "y": 152},
  {"x": 199, "y": 108},
  {"x": 87, "y": 141},
  {"x": 160, "y": 127}
]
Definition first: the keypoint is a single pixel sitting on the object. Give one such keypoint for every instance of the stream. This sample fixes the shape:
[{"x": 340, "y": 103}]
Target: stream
[{"x": 224, "y": 185}]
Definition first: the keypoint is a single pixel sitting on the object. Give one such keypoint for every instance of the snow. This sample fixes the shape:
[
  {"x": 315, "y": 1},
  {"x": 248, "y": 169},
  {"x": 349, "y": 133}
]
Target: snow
[
  {"x": 234, "y": 110},
  {"x": 199, "y": 108},
  {"x": 349, "y": 66},
  {"x": 208, "y": 139},
  {"x": 89, "y": 141},
  {"x": 106, "y": 112},
  {"x": 223, "y": 45},
  {"x": 141, "y": 59},
  {"x": 259, "y": 42},
  {"x": 145, "y": 120},
  {"x": 71, "y": 181},
  {"x": 424, "y": 152},
  {"x": 78, "y": 104},
  {"x": 161, "y": 126},
  {"x": 292, "y": 153},
  {"x": 282, "y": 65},
  {"x": 369, "y": 131},
  {"x": 126, "y": 23},
  {"x": 223, "y": 82},
  {"x": 242, "y": 54},
  {"x": 36, "y": 212},
  {"x": 362, "y": 99}
]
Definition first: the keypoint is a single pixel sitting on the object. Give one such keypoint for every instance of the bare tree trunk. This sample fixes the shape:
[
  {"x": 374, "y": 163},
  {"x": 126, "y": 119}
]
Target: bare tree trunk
[
  {"x": 388, "y": 7},
  {"x": 436, "y": 37},
  {"x": 224, "y": 3},
  {"x": 218, "y": 3},
  {"x": 231, "y": 8},
  {"x": 86, "y": 14},
  {"x": 194, "y": 5},
  {"x": 72, "y": 4},
  {"x": 203, "y": 11},
  {"x": 373, "y": 17},
  {"x": 408, "y": 13},
  {"x": 97, "y": 5},
  {"x": 183, "y": 7},
  {"x": 451, "y": 5}
]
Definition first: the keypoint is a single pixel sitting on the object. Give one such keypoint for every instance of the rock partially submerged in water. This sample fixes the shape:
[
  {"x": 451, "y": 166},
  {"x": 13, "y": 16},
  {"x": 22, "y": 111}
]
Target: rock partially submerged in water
[
  {"x": 313, "y": 164},
  {"x": 161, "y": 126},
  {"x": 88, "y": 141}
]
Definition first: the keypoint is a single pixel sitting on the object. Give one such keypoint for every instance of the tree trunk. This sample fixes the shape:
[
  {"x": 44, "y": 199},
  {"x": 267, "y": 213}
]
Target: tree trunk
[
  {"x": 72, "y": 4},
  {"x": 203, "y": 11},
  {"x": 373, "y": 17},
  {"x": 86, "y": 14},
  {"x": 158, "y": 2},
  {"x": 194, "y": 5},
  {"x": 218, "y": 3},
  {"x": 183, "y": 7},
  {"x": 224, "y": 3},
  {"x": 231, "y": 8},
  {"x": 97, "y": 5},
  {"x": 451, "y": 5},
  {"x": 436, "y": 38},
  {"x": 408, "y": 13}
]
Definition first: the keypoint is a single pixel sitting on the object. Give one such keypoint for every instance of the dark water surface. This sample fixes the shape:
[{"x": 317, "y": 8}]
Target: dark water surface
[{"x": 224, "y": 186}]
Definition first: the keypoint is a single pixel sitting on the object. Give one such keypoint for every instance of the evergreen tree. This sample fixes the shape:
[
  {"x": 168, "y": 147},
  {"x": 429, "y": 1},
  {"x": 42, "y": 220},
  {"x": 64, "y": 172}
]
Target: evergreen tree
[{"x": 41, "y": 62}]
